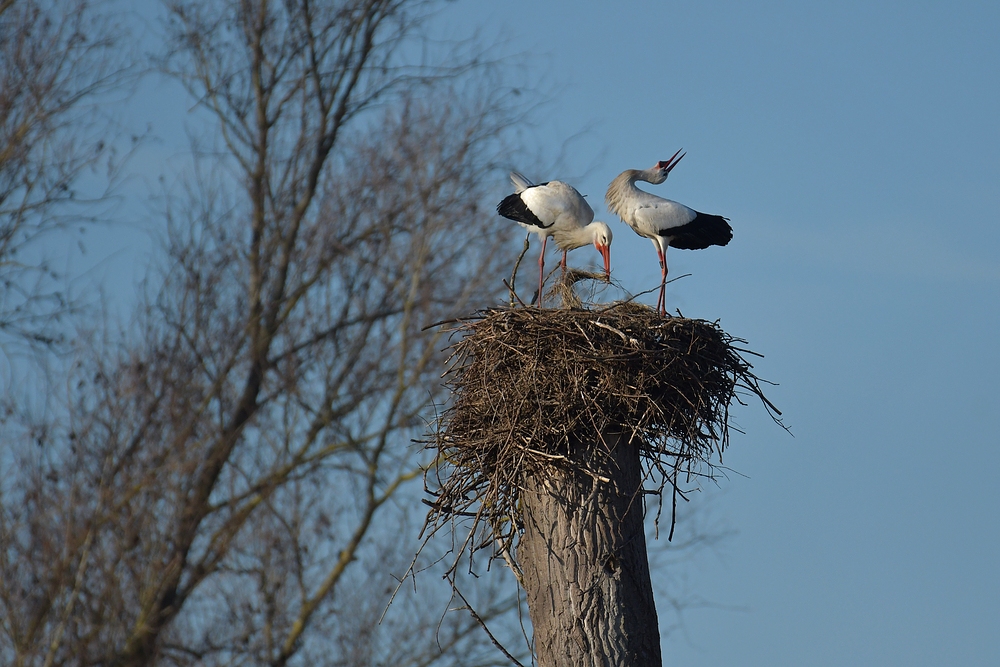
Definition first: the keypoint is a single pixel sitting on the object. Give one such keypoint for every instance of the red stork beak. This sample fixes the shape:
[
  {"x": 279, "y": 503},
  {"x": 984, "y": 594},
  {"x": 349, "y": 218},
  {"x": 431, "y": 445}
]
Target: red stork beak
[
  {"x": 605, "y": 251},
  {"x": 671, "y": 163}
]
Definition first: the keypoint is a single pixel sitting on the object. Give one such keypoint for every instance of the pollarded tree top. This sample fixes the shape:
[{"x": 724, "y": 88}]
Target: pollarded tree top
[{"x": 527, "y": 381}]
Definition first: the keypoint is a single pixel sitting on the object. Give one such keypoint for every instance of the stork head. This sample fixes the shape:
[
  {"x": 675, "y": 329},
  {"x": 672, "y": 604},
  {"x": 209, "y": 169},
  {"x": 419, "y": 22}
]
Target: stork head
[
  {"x": 602, "y": 241},
  {"x": 661, "y": 170}
]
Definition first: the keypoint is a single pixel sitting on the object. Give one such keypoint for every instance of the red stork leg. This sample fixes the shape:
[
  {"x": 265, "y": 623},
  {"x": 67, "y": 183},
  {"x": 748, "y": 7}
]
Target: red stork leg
[
  {"x": 661, "y": 302},
  {"x": 541, "y": 269},
  {"x": 564, "y": 262}
]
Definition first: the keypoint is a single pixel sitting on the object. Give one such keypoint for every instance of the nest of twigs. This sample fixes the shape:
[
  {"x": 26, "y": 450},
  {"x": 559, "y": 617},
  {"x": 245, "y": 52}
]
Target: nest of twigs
[{"x": 527, "y": 381}]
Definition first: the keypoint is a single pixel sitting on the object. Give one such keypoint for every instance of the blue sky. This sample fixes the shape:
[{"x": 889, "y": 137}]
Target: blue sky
[{"x": 854, "y": 147}]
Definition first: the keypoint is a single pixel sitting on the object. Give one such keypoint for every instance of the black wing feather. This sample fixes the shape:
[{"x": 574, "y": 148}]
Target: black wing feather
[
  {"x": 513, "y": 208},
  {"x": 703, "y": 231}
]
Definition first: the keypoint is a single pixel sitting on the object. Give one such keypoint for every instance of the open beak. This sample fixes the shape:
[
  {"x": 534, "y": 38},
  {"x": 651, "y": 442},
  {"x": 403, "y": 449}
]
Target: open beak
[
  {"x": 606, "y": 253},
  {"x": 672, "y": 162}
]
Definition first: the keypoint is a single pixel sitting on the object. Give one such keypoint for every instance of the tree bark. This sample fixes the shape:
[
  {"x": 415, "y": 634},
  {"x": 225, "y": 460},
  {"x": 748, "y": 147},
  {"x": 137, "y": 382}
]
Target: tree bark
[{"x": 583, "y": 558}]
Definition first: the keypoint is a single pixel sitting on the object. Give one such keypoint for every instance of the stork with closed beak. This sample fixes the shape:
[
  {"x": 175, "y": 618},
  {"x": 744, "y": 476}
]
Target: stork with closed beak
[{"x": 556, "y": 209}]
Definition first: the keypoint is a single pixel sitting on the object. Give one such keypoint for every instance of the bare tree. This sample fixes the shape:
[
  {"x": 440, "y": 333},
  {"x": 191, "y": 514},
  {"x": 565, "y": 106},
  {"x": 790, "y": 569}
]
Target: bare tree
[
  {"x": 58, "y": 60},
  {"x": 215, "y": 491}
]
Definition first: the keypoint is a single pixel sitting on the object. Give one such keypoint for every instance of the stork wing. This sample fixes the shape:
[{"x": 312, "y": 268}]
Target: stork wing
[
  {"x": 660, "y": 216},
  {"x": 557, "y": 202}
]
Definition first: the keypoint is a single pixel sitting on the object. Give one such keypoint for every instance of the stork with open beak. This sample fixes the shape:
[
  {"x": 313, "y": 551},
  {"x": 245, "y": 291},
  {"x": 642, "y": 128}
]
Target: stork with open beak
[{"x": 664, "y": 222}]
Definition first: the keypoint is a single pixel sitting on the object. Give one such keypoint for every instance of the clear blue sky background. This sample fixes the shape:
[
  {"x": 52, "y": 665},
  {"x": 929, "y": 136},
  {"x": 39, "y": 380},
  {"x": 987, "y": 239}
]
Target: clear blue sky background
[{"x": 855, "y": 147}]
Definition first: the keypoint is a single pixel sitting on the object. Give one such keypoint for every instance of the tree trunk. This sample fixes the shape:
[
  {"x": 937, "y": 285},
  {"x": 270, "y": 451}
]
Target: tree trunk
[{"x": 583, "y": 556}]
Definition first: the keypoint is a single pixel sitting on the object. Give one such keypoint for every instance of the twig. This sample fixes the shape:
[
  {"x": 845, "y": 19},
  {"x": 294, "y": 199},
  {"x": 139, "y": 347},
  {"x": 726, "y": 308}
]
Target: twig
[
  {"x": 513, "y": 275},
  {"x": 554, "y": 457},
  {"x": 513, "y": 294},
  {"x": 481, "y": 622},
  {"x": 628, "y": 339}
]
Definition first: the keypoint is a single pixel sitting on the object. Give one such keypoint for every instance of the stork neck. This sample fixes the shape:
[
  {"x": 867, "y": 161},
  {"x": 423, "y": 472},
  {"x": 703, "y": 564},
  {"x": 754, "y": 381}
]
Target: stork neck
[
  {"x": 576, "y": 237},
  {"x": 622, "y": 190}
]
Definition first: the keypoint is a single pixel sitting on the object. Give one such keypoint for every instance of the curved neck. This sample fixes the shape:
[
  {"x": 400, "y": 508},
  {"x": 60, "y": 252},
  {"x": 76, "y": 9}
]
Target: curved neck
[{"x": 623, "y": 190}]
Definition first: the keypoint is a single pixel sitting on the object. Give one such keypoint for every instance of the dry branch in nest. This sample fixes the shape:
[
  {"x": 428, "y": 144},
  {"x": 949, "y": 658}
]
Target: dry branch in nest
[{"x": 525, "y": 381}]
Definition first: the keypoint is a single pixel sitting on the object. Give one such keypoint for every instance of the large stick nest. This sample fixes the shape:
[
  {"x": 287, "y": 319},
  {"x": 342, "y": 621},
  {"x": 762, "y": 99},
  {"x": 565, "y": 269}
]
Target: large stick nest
[{"x": 525, "y": 381}]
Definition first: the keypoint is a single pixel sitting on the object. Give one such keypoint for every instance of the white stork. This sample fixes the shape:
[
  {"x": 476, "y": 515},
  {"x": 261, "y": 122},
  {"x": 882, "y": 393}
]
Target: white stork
[
  {"x": 662, "y": 221},
  {"x": 556, "y": 209}
]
